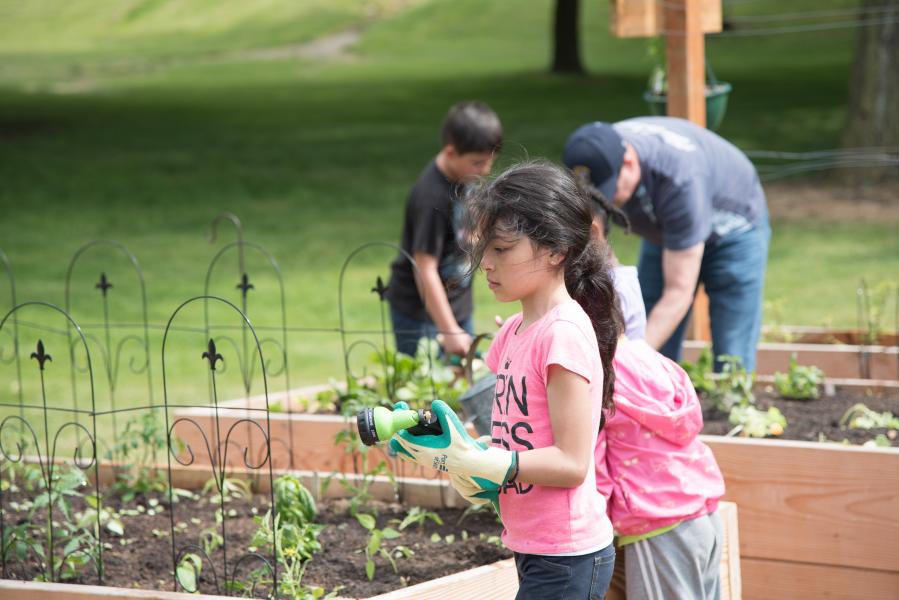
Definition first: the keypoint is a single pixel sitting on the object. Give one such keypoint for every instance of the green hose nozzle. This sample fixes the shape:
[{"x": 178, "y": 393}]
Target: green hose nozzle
[{"x": 379, "y": 424}]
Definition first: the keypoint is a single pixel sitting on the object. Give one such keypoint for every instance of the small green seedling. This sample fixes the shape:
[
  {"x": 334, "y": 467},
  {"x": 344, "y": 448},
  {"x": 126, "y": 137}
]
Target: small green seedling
[
  {"x": 734, "y": 387},
  {"x": 799, "y": 382},
  {"x": 375, "y": 547},
  {"x": 138, "y": 445},
  {"x": 231, "y": 488},
  {"x": 417, "y": 516},
  {"x": 188, "y": 572},
  {"x": 293, "y": 501}
]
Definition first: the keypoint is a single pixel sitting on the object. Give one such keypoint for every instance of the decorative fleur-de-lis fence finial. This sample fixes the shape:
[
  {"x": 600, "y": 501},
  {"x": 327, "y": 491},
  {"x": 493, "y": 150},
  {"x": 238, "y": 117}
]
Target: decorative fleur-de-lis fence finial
[
  {"x": 380, "y": 289},
  {"x": 243, "y": 347},
  {"x": 212, "y": 356},
  {"x": 40, "y": 356},
  {"x": 43, "y": 534},
  {"x": 245, "y": 286},
  {"x": 116, "y": 346},
  {"x": 103, "y": 284}
]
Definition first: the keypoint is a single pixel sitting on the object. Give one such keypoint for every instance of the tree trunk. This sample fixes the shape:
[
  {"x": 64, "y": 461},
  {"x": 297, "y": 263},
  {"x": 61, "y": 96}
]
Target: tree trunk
[
  {"x": 566, "y": 42},
  {"x": 873, "y": 115}
]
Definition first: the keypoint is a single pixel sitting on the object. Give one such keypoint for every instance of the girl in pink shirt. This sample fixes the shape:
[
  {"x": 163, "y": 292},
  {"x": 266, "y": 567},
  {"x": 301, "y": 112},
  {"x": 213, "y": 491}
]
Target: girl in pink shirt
[
  {"x": 530, "y": 232},
  {"x": 662, "y": 482}
]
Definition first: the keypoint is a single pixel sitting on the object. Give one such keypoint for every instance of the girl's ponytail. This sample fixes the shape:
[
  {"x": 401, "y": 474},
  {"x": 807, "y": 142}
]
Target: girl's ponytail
[{"x": 588, "y": 278}]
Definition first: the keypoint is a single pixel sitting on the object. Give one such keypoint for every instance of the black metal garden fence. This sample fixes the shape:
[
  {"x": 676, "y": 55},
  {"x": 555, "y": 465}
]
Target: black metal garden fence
[{"x": 78, "y": 441}]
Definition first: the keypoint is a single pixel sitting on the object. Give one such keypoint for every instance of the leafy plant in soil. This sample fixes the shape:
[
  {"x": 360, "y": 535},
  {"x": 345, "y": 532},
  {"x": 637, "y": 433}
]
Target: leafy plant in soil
[
  {"x": 390, "y": 376},
  {"x": 144, "y": 560},
  {"x": 880, "y": 441},
  {"x": 358, "y": 488},
  {"x": 417, "y": 516},
  {"x": 701, "y": 373},
  {"x": 375, "y": 547},
  {"x": 734, "y": 386},
  {"x": 799, "y": 382},
  {"x": 860, "y": 416},
  {"x": 293, "y": 502},
  {"x": 752, "y": 422},
  {"x": 730, "y": 392},
  {"x": 188, "y": 572},
  {"x": 138, "y": 445},
  {"x": 232, "y": 488},
  {"x": 50, "y": 523},
  {"x": 295, "y": 535},
  {"x": 295, "y": 545}
]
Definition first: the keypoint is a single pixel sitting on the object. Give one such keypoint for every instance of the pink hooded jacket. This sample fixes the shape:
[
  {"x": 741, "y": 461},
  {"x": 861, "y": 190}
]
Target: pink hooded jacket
[{"x": 649, "y": 462}]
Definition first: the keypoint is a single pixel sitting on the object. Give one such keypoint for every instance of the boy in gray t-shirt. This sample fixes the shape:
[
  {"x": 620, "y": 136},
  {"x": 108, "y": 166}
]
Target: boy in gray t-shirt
[{"x": 697, "y": 202}]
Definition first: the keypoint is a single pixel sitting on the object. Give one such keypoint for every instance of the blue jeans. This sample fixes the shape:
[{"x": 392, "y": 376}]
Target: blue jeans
[
  {"x": 583, "y": 577},
  {"x": 733, "y": 271},
  {"x": 408, "y": 330}
]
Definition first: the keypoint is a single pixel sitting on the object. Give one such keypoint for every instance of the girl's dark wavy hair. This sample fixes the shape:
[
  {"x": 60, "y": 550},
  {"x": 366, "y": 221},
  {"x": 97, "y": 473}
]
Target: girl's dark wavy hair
[{"x": 543, "y": 202}]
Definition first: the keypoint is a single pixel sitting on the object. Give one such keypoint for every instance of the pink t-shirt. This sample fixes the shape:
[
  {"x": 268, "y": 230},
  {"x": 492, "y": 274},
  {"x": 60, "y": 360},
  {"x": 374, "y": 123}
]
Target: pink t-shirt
[{"x": 541, "y": 519}]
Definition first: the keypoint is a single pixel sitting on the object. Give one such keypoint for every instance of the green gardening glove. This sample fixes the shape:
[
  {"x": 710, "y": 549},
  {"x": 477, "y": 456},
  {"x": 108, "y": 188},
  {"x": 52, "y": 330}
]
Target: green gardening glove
[
  {"x": 478, "y": 469},
  {"x": 470, "y": 490}
]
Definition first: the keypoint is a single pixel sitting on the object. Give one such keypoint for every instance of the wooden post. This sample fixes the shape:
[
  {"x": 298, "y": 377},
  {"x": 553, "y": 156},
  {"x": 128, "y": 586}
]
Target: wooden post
[
  {"x": 685, "y": 50},
  {"x": 683, "y": 23}
]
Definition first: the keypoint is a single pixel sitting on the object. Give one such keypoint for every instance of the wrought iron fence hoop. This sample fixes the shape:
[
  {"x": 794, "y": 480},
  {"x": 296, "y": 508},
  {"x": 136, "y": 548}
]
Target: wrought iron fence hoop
[
  {"x": 48, "y": 469},
  {"x": 205, "y": 299}
]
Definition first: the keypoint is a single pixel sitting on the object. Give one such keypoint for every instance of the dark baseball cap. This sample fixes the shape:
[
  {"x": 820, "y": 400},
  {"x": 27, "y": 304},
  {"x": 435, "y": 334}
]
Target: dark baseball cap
[{"x": 598, "y": 148}]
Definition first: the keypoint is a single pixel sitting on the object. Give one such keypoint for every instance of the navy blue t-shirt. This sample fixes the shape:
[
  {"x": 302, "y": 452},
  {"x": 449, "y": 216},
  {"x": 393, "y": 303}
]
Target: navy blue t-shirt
[
  {"x": 695, "y": 186},
  {"x": 431, "y": 225}
]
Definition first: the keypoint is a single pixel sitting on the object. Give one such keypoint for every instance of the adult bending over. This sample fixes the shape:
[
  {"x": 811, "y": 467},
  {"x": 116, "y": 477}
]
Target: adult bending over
[{"x": 697, "y": 202}]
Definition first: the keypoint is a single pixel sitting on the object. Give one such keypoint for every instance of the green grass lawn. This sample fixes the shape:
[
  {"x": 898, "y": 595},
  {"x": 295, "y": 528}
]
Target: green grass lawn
[{"x": 122, "y": 120}]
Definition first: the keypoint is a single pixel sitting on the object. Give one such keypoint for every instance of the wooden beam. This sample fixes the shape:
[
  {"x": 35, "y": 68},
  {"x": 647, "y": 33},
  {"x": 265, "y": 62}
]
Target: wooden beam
[
  {"x": 645, "y": 18},
  {"x": 785, "y": 580}
]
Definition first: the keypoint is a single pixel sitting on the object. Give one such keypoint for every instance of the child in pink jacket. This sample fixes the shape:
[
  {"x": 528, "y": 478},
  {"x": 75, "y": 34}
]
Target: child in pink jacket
[{"x": 663, "y": 484}]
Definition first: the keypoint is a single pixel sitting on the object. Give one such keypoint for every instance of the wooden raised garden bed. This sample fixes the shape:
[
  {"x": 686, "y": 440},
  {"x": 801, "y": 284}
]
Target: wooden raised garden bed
[
  {"x": 816, "y": 520},
  {"x": 145, "y": 560},
  {"x": 842, "y": 361},
  {"x": 496, "y": 581},
  {"x": 797, "y": 334}
]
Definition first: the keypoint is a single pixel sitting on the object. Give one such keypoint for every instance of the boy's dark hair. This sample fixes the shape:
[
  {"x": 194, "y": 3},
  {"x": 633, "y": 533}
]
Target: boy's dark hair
[
  {"x": 472, "y": 127},
  {"x": 544, "y": 203}
]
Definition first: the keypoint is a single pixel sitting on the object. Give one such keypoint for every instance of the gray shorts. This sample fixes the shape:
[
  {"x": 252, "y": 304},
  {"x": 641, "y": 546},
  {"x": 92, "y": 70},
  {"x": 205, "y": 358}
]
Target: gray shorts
[{"x": 681, "y": 564}]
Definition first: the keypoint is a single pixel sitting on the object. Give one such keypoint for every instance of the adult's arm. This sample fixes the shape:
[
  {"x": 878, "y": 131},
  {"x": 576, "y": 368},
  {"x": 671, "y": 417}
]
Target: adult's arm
[
  {"x": 455, "y": 339},
  {"x": 680, "y": 272},
  {"x": 565, "y": 463}
]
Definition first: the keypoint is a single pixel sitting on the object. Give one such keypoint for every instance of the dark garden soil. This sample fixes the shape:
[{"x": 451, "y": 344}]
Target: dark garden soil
[
  {"x": 342, "y": 564},
  {"x": 142, "y": 558},
  {"x": 814, "y": 420}
]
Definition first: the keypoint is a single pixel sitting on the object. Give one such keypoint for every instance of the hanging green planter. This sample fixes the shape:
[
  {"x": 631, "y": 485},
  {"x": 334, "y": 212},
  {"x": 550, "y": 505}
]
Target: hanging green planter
[
  {"x": 715, "y": 103},
  {"x": 716, "y": 92}
]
